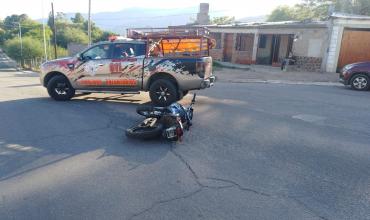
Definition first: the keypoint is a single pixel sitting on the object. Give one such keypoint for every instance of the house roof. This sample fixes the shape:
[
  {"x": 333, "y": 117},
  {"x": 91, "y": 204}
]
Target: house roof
[
  {"x": 281, "y": 24},
  {"x": 291, "y": 24},
  {"x": 349, "y": 16}
]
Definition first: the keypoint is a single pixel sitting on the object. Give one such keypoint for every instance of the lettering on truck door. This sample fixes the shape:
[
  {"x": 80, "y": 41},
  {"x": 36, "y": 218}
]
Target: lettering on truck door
[{"x": 126, "y": 67}]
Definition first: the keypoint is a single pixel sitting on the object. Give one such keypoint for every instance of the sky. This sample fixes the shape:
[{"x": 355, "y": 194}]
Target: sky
[{"x": 37, "y": 9}]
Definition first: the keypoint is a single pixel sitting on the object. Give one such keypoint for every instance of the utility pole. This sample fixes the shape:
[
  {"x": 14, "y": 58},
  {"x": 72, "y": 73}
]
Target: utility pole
[
  {"x": 20, "y": 39},
  {"x": 55, "y": 31},
  {"x": 43, "y": 29},
  {"x": 89, "y": 24}
]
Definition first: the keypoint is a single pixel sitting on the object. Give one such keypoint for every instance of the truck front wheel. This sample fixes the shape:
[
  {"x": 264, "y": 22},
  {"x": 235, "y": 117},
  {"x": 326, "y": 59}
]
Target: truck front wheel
[
  {"x": 60, "y": 89},
  {"x": 163, "y": 92}
]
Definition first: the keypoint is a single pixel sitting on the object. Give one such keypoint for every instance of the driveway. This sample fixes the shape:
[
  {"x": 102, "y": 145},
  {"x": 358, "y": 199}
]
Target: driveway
[{"x": 256, "y": 151}]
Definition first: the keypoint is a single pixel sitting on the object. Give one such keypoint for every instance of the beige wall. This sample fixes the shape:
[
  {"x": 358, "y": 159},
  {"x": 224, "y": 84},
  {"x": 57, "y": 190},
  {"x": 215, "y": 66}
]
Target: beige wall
[
  {"x": 300, "y": 46},
  {"x": 311, "y": 43}
]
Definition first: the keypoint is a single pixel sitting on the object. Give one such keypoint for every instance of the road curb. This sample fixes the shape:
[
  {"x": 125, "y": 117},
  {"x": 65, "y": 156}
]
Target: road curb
[{"x": 285, "y": 82}]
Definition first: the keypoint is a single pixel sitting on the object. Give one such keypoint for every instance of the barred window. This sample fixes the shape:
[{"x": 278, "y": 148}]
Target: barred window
[
  {"x": 244, "y": 42},
  {"x": 263, "y": 41}
]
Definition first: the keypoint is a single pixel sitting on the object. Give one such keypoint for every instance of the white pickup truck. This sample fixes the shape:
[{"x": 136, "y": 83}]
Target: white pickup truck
[{"x": 165, "y": 64}]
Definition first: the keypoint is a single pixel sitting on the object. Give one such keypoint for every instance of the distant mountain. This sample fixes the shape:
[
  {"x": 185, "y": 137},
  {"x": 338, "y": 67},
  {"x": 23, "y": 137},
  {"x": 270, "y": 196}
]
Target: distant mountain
[
  {"x": 119, "y": 21},
  {"x": 141, "y": 17},
  {"x": 260, "y": 18}
]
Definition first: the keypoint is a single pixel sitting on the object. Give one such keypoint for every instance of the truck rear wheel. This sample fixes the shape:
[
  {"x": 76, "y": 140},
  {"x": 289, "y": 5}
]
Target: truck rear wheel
[
  {"x": 163, "y": 92},
  {"x": 60, "y": 89}
]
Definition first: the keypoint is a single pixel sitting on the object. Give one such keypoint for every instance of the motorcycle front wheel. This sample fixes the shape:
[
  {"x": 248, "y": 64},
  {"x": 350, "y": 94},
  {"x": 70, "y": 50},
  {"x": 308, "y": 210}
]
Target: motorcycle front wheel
[{"x": 148, "y": 129}]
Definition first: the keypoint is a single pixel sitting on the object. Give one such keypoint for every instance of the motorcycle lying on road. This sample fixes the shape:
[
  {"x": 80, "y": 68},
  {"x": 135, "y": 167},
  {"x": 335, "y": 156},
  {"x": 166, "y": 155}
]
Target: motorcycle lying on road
[{"x": 168, "y": 122}]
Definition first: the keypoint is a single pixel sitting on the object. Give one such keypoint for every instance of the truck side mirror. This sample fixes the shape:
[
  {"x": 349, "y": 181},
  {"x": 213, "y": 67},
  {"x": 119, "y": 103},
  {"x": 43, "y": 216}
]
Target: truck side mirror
[{"x": 80, "y": 57}]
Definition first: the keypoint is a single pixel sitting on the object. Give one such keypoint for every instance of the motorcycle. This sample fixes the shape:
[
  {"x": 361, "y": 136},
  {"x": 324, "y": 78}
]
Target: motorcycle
[{"x": 168, "y": 122}]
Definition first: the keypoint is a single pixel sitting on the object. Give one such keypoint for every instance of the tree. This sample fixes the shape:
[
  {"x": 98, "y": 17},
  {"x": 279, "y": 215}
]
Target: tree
[
  {"x": 2, "y": 32},
  {"x": 318, "y": 9},
  {"x": 97, "y": 34},
  {"x": 360, "y": 7},
  {"x": 223, "y": 20},
  {"x": 307, "y": 9},
  {"x": 311, "y": 9},
  {"x": 14, "y": 19},
  {"x": 71, "y": 35},
  {"x": 10, "y": 27},
  {"x": 59, "y": 18},
  {"x": 78, "y": 19},
  {"x": 32, "y": 48},
  {"x": 38, "y": 33},
  {"x": 32, "y": 32},
  {"x": 103, "y": 37},
  {"x": 282, "y": 13}
]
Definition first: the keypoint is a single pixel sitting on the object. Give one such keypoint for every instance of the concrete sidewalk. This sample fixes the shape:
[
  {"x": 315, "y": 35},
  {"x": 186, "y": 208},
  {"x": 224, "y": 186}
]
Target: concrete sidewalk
[{"x": 268, "y": 74}]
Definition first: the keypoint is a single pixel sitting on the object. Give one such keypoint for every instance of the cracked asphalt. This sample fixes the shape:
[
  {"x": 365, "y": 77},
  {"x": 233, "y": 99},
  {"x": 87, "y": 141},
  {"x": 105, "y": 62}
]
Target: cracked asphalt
[{"x": 256, "y": 151}]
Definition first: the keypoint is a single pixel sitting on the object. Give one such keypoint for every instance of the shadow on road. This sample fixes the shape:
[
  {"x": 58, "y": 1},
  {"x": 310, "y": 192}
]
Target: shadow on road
[
  {"x": 8, "y": 70},
  {"x": 39, "y": 132},
  {"x": 28, "y": 85}
]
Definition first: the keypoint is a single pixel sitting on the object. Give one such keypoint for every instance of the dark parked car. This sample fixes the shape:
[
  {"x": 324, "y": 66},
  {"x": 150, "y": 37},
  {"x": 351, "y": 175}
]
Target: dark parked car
[{"x": 357, "y": 75}]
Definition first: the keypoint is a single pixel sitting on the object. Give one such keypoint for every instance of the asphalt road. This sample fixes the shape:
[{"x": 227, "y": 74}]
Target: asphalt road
[{"x": 256, "y": 151}]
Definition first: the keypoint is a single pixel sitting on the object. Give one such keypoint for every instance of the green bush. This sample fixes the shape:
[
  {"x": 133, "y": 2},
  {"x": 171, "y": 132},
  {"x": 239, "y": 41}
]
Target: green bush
[
  {"x": 71, "y": 34},
  {"x": 32, "y": 48}
]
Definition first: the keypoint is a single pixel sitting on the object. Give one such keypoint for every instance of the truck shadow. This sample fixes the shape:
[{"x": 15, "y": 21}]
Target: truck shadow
[
  {"x": 39, "y": 132},
  {"x": 125, "y": 99}
]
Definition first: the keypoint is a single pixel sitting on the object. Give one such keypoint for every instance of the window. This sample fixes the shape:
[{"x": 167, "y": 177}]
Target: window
[
  {"x": 98, "y": 52},
  {"x": 262, "y": 42},
  {"x": 244, "y": 42},
  {"x": 128, "y": 50},
  {"x": 217, "y": 37}
]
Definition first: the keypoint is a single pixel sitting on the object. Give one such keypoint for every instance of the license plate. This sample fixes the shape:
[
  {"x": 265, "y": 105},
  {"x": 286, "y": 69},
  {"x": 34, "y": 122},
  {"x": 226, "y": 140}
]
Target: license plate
[{"x": 171, "y": 132}]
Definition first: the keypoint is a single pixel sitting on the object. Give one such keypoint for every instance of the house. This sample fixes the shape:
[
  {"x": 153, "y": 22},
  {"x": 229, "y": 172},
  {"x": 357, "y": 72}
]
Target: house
[{"x": 315, "y": 45}]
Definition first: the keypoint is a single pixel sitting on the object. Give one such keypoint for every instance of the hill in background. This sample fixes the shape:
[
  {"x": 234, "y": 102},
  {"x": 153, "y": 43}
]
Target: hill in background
[{"x": 119, "y": 21}]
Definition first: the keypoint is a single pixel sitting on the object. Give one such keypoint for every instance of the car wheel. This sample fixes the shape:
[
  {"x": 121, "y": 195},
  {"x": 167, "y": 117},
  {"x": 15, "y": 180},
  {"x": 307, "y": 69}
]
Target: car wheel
[
  {"x": 360, "y": 82},
  {"x": 163, "y": 92},
  {"x": 60, "y": 89}
]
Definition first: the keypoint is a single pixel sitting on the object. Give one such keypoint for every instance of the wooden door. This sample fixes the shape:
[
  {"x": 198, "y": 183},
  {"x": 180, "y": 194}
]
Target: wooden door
[
  {"x": 275, "y": 49},
  {"x": 228, "y": 47},
  {"x": 355, "y": 47}
]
